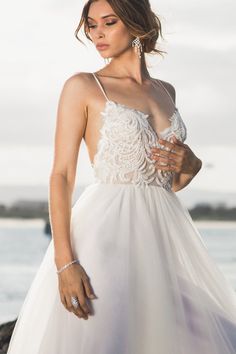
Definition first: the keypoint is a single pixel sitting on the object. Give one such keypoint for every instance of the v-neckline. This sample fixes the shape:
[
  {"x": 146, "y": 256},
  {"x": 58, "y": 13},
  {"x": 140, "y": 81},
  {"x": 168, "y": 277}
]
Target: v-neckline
[{"x": 146, "y": 115}]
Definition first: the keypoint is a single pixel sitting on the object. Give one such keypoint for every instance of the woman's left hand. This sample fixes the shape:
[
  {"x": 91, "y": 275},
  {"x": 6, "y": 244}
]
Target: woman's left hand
[{"x": 177, "y": 157}]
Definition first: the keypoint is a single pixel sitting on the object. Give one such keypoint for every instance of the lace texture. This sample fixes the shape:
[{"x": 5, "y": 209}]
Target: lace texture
[{"x": 124, "y": 147}]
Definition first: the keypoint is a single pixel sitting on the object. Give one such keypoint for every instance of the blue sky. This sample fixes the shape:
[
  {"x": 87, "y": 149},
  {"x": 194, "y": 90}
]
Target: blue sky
[{"x": 39, "y": 52}]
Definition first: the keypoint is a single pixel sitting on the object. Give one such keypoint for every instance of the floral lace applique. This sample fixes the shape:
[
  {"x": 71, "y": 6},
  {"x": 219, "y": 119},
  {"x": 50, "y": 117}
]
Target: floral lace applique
[{"x": 125, "y": 145}]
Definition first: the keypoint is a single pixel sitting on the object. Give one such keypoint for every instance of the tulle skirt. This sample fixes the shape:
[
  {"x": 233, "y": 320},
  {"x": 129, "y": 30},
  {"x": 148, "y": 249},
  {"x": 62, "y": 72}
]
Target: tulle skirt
[{"x": 158, "y": 290}]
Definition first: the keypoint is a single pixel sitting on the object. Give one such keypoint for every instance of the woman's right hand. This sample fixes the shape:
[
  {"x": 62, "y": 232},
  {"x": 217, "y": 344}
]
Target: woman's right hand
[{"x": 75, "y": 282}]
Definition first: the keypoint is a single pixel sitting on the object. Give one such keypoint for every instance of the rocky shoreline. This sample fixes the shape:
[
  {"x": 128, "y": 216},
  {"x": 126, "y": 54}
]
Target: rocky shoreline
[{"x": 6, "y": 330}]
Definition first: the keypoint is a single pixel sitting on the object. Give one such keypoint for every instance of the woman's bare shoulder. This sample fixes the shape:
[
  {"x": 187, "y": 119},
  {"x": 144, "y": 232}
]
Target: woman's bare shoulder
[
  {"x": 169, "y": 87},
  {"x": 79, "y": 83},
  {"x": 79, "y": 88}
]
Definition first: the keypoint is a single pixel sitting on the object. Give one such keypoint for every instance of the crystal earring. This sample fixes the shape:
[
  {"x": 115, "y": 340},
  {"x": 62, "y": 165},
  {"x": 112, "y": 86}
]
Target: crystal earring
[
  {"x": 106, "y": 61},
  {"x": 138, "y": 46}
]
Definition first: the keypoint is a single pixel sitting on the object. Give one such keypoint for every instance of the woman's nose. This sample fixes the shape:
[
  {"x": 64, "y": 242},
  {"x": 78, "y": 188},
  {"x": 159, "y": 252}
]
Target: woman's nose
[{"x": 99, "y": 34}]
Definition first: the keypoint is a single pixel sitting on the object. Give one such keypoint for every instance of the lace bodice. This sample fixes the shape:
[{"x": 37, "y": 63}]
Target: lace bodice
[{"x": 124, "y": 146}]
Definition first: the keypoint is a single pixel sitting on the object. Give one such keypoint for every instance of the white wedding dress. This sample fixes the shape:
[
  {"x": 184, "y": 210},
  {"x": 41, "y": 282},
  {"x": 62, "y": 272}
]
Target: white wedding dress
[{"x": 158, "y": 290}]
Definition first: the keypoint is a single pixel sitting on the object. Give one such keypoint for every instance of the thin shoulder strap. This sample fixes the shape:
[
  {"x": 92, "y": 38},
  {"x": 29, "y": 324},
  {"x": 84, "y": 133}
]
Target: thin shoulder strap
[
  {"x": 100, "y": 85},
  {"x": 159, "y": 82}
]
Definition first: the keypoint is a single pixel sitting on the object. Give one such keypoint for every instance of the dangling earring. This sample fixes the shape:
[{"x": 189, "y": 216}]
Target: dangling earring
[{"x": 138, "y": 46}]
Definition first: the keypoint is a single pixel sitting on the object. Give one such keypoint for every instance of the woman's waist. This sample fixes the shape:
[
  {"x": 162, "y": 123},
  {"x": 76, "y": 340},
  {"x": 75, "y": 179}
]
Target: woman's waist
[{"x": 138, "y": 178}]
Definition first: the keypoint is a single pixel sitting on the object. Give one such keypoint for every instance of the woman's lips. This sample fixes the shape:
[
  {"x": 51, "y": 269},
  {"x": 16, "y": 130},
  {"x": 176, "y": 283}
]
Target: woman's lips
[{"x": 102, "y": 46}]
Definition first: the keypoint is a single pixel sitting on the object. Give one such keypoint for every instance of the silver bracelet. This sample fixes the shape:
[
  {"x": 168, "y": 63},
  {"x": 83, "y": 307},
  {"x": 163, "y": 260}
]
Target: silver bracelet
[{"x": 67, "y": 265}]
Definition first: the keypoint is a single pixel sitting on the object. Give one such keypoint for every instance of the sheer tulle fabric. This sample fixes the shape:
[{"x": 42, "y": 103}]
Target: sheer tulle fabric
[{"x": 158, "y": 289}]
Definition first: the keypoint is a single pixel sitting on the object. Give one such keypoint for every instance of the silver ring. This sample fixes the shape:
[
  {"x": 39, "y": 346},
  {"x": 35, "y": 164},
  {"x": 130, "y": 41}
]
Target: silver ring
[{"x": 74, "y": 302}]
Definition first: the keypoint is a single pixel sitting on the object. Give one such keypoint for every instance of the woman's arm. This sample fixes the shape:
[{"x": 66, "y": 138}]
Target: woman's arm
[
  {"x": 71, "y": 123},
  {"x": 70, "y": 127}
]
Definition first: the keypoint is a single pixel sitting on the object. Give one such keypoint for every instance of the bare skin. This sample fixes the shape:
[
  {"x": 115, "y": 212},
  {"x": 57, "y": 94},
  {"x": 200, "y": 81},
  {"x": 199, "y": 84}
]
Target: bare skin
[{"x": 79, "y": 116}]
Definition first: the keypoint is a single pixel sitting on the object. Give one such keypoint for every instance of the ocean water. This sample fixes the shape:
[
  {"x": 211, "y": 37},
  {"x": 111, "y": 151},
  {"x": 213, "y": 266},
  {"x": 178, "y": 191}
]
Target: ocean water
[{"x": 23, "y": 244}]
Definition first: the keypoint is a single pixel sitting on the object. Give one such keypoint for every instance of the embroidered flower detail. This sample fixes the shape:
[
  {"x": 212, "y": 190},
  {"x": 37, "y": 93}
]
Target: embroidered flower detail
[{"x": 124, "y": 147}]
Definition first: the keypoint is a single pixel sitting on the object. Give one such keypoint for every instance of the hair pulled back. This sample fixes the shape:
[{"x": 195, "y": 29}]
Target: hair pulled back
[{"x": 137, "y": 16}]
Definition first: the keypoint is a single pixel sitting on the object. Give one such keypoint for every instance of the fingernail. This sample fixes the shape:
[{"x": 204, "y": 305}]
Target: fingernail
[{"x": 92, "y": 296}]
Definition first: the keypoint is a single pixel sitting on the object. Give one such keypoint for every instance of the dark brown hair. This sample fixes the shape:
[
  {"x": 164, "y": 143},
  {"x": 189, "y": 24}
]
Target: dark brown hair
[{"x": 139, "y": 18}]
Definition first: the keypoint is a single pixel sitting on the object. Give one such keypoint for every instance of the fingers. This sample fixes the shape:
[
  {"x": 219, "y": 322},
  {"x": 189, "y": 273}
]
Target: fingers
[
  {"x": 168, "y": 161},
  {"x": 82, "y": 300},
  {"x": 63, "y": 300},
  {"x": 167, "y": 146},
  {"x": 171, "y": 155},
  {"x": 171, "y": 168},
  {"x": 165, "y": 154},
  {"x": 78, "y": 311},
  {"x": 162, "y": 161},
  {"x": 81, "y": 307},
  {"x": 176, "y": 141},
  {"x": 166, "y": 164},
  {"x": 88, "y": 288}
]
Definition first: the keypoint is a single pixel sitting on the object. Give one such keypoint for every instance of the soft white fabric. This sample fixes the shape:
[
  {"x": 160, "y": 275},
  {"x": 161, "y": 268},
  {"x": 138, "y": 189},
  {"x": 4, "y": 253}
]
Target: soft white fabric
[
  {"x": 125, "y": 144},
  {"x": 159, "y": 291}
]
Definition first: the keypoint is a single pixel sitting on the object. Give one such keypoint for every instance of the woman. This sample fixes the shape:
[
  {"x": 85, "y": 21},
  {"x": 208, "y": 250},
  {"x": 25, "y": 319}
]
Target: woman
[{"x": 127, "y": 258}]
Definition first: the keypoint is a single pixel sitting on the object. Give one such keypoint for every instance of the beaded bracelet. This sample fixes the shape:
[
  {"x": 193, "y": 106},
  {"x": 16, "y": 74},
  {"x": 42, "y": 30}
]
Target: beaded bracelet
[{"x": 67, "y": 265}]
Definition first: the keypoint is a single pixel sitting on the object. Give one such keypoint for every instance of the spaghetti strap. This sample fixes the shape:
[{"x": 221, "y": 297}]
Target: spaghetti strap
[
  {"x": 165, "y": 90},
  {"x": 100, "y": 85}
]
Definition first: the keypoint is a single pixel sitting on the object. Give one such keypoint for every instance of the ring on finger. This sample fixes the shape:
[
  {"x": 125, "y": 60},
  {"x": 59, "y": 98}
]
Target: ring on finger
[{"x": 74, "y": 302}]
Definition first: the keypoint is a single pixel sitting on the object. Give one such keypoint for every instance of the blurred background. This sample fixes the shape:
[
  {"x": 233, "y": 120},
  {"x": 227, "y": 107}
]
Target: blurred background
[{"x": 39, "y": 52}]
